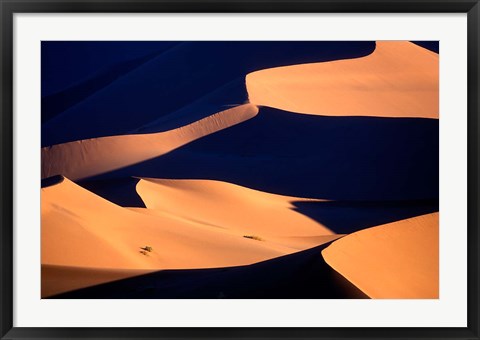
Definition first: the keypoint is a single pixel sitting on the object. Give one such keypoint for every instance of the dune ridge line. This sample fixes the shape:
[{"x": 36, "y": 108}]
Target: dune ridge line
[
  {"x": 399, "y": 79},
  {"x": 85, "y": 158},
  {"x": 403, "y": 256},
  {"x": 82, "y": 230}
]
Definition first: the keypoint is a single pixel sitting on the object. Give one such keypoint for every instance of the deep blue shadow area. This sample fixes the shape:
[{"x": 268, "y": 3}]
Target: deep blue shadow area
[
  {"x": 337, "y": 158},
  {"x": 433, "y": 46},
  {"x": 234, "y": 93},
  {"x": 51, "y": 181},
  {"x": 56, "y": 103},
  {"x": 348, "y": 217},
  {"x": 303, "y": 275},
  {"x": 68, "y": 63},
  {"x": 121, "y": 191},
  {"x": 184, "y": 73}
]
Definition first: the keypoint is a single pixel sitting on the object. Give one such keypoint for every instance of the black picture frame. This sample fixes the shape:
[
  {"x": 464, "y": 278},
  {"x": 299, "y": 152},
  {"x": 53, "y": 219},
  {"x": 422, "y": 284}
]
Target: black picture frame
[{"x": 9, "y": 7}]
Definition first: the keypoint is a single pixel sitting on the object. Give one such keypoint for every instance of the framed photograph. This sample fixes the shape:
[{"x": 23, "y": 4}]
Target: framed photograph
[{"x": 234, "y": 169}]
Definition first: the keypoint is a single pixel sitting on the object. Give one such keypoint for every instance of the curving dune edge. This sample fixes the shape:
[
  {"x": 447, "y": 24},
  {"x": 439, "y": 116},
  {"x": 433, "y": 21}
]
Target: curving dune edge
[
  {"x": 82, "y": 230},
  {"x": 399, "y": 79},
  {"x": 194, "y": 224},
  {"x": 85, "y": 158},
  {"x": 392, "y": 261}
]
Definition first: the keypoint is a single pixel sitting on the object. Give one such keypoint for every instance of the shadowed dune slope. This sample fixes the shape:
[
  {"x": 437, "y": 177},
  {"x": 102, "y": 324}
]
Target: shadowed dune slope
[
  {"x": 345, "y": 217},
  {"x": 61, "y": 279},
  {"x": 399, "y": 79},
  {"x": 161, "y": 180},
  {"x": 85, "y": 158},
  {"x": 121, "y": 191},
  {"x": 433, "y": 46},
  {"x": 227, "y": 96},
  {"x": 66, "y": 64},
  {"x": 303, "y": 275},
  {"x": 82, "y": 230},
  {"x": 56, "y": 103},
  {"x": 335, "y": 158},
  {"x": 392, "y": 261},
  {"x": 178, "y": 77}
]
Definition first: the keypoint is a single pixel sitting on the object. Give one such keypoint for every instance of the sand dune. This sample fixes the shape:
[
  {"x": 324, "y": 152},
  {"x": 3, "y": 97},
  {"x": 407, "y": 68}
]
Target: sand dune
[
  {"x": 173, "y": 79},
  {"x": 335, "y": 158},
  {"x": 80, "y": 229},
  {"x": 85, "y": 158},
  {"x": 103, "y": 58},
  {"x": 393, "y": 261},
  {"x": 72, "y": 94},
  {"x": 302, "y": 275},
  {"x": 229, "y": 206},
  {"x": 227, "y": 96},
  {"x": 399, "y": 79},
  {"x": 60, "y": 279},
  {"x": 220, "y": 207}
]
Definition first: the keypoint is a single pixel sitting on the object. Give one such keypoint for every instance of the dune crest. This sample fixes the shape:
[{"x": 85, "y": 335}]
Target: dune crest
[
  {"x": 399, "y": 260},
  {"x": 231, "y": 206},
  {"x": 399, "y": 79},
  {"x": 171, "y": 80},
  {"x": 196, "y": 170},
  {"x": 82, "y": 230},
  {"x": 85, "y": 158}
]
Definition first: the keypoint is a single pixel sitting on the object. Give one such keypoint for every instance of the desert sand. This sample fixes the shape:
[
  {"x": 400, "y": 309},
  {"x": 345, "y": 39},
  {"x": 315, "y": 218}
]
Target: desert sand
[
  {"x": 230, "y": 206},
  {"x": 89, "y": 157},
  {"x": 231, "y": 223},
  {"x": 61, "y": 279},
  {"x": 82, "y": 230},
  {"x": 301, "y": 275},
  {"x": 393, "y": 261},
  {"x": 399, "y": 79},
  {"x": 120, "y": 99}
]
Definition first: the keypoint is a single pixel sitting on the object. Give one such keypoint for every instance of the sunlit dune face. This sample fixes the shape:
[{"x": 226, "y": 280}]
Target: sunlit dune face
[
  {"x": 229, "y": 206},
  {"x": 90, "y": 157},
  {"x": 82, "y": 230},
  {"x": 191, "y": 223},
  {"x": 399, "y": 260},
  {"x": 399, "y": 79}
]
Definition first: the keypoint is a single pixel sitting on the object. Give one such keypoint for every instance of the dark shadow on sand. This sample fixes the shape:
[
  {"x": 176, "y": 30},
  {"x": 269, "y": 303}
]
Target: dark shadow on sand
[
  {"x": 56, "y": 103},
  {"x": 176, "y": 78},
  {"x": 433, "y": 46},
  {"x": 68, "y": 63},
  {"x": 50, "y": 181},
  {"x": 336, "y": 158},
  {"x": 348, "y": 217},
  {"x": 303, "y": 275},
  {"x": 121, "y": 191}
]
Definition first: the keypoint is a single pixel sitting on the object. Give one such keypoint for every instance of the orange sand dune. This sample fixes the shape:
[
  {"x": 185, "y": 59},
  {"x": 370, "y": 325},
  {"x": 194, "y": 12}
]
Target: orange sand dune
[
  {"x": 396, "y": 260},
  {"x": 80, "y": 229},
  {"x": 85, "y": 158},
  {"x": 230, "y": 206},
  {"x": 399, "y": 79},
  {"x": 85, "y": 230}
]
